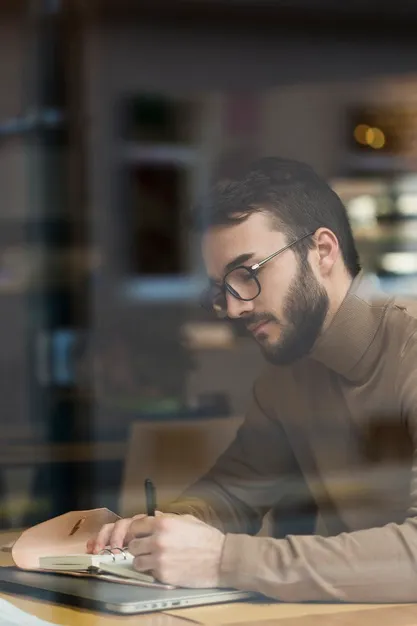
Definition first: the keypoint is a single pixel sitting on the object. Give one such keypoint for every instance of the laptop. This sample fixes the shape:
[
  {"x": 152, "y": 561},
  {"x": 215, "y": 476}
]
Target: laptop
[{"x": 92, "y": 593}]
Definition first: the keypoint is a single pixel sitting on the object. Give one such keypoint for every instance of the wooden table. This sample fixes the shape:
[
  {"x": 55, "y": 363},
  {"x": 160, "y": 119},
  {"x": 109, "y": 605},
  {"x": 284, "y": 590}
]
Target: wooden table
[
  {"x": 68, "y": 616},
  {"x": 236, "y": 614}
]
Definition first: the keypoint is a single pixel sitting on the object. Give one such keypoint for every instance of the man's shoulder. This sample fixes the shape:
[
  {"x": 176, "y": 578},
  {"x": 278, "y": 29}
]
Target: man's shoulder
[
  {"x": 397, "y": 310},
  {"x": 377, "y": 298},
  {"x": 401, "y": 318},
  {"x": 402, "y": 324},
  {"x": 407, "y": 305}
]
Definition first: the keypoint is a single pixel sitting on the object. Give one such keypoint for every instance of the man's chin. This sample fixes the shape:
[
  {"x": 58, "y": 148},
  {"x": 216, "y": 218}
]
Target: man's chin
[{"x": 279, "y": 353}]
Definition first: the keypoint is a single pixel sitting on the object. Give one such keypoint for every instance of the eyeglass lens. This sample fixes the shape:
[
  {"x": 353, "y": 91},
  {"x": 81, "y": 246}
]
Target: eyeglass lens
[{"x": 242, "y": 283}]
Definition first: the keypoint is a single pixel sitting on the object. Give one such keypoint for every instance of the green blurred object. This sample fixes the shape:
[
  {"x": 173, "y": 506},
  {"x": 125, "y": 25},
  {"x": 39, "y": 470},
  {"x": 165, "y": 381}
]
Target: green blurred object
[{"x": 141, "y": 405}]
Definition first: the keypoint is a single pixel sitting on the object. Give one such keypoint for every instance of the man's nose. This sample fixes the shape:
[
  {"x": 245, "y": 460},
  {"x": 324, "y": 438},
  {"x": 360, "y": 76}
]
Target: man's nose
[{"x": 238, "y": 308}]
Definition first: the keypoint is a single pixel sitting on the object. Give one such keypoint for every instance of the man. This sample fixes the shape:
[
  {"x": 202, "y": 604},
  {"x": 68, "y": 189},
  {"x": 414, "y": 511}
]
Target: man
[{"x": 338, "y": 398}]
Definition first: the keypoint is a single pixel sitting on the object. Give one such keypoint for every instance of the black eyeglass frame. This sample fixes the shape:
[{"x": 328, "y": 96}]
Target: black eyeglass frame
[{"x": 252, "y": 270}]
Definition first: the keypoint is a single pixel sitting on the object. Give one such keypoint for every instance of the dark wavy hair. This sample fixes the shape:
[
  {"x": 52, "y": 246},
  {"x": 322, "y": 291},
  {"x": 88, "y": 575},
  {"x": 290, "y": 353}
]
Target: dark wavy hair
[{"x": 298, "y": 200}]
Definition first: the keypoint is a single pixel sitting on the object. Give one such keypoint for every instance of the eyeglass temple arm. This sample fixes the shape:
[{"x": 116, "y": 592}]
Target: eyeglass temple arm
[{"x": 289, "y": 245}]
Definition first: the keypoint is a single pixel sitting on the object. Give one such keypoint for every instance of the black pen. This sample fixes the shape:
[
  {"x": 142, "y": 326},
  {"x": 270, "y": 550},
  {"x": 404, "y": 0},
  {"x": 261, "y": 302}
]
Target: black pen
[{"x": 150, "y": 494}]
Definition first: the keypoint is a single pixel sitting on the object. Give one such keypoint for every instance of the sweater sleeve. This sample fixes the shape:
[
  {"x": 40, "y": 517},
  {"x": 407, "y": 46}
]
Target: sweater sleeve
[
  {"x": 371, "y": 565},
  {"x": 247, "y": 480}
]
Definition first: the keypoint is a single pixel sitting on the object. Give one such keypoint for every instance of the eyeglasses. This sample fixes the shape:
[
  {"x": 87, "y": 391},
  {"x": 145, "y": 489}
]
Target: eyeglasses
[{"x": 241, "y": 282}]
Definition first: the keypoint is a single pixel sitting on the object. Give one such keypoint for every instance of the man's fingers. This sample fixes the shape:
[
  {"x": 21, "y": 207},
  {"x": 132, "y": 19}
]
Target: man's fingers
[
  {"x": 121, "y": 536},
  {"x": 118, "y": 536},
  {"x": 98, "y": 543},
  {"x": 141, "y": 546},
  {"x": 138, "y": 516},
  {"x": 90, "y": 545},
  {"x": 144, "y": 563},
  {"x": 113, "y": 535},
  {"x": 140, "y": 527}
]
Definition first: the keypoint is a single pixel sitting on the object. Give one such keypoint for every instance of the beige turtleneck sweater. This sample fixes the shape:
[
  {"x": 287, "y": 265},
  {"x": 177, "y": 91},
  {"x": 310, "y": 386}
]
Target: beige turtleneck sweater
[{"x": 340, "y": 425}]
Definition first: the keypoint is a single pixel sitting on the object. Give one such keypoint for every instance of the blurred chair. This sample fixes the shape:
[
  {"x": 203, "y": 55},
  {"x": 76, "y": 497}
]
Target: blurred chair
[{"x": 173, "y": 454}]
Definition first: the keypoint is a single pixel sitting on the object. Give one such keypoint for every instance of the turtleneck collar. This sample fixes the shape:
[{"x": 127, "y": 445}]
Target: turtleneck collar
[{"x": 349, "y": 345}]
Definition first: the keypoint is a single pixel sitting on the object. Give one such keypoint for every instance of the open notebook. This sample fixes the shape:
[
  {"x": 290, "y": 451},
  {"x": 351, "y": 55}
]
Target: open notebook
[
  {"x": 59, "y": 545},
  {"x": 118, "y": 562}
]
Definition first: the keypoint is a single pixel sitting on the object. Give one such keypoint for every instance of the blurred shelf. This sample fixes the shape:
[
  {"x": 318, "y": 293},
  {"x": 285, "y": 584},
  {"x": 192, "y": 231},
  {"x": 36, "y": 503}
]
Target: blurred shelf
[
  {"x": 350, "y": 187},
  {"x": 14, "y": 432},
  {"x": 41, "y": 454},
  {"x": 399, "y": 286},
  {"x": 163, "y": 288},
  {"x": 214, "y": 335},
  {"x": 379, "y": 163},
  {"x": 397, "y": 230},
  {"x": 137, "y": 152},
  {"x": 385, "y": 238}
]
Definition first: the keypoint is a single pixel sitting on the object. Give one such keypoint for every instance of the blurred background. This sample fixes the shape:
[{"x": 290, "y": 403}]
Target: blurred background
[{"x": 114, "y": 118}]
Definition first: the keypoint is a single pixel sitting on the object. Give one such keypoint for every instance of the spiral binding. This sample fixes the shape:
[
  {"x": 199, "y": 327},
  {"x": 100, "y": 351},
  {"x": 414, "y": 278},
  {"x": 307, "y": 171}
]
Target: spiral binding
[{"x": 112, "y": 552}]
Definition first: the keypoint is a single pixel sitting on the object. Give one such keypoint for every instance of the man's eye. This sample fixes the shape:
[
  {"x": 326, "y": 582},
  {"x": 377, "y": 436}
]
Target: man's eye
[{"x": 248, "y": 276}]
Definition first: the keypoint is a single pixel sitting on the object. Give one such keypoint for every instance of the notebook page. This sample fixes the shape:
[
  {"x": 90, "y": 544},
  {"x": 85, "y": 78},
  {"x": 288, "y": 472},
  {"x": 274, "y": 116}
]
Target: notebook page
[
  {"x": 80, "y": 561},
  {"x": 125, "y": 569}
]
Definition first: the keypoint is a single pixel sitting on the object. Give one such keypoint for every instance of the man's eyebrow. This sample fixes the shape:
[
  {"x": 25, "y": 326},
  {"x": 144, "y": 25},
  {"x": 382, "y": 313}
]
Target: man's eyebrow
[{"x": 239, "y": 260}]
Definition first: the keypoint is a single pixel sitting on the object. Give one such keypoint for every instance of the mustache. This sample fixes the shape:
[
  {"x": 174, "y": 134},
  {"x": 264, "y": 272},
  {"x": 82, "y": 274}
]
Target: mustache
[{"x": 259, "y": 318}]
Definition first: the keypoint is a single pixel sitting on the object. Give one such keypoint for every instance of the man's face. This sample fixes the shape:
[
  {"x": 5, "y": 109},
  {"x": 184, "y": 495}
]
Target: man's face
[{"x": 287, "y": 316}]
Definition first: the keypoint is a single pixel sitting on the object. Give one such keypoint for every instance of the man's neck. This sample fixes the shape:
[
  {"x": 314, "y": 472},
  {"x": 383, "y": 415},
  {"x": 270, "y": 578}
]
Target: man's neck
[
  {"x": 337, "y": 293},
  {"x": 351, "y": 345}
]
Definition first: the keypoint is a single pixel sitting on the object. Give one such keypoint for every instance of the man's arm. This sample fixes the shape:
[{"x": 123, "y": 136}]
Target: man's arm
[
  {"x": 373, "y": 565},
  {"x": 255, "y": 473},
  {"x": 248, "y": 479}
]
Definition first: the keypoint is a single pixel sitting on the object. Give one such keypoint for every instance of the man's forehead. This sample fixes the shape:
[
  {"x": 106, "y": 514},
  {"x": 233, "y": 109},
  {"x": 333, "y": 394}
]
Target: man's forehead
[{"x": 221, "y": 245}]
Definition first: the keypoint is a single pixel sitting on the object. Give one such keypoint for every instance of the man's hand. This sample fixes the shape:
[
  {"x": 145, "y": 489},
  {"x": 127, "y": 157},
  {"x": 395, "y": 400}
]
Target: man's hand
[
  {"x": 115, "y": 535},
  {"x": 178, "y": 550}
]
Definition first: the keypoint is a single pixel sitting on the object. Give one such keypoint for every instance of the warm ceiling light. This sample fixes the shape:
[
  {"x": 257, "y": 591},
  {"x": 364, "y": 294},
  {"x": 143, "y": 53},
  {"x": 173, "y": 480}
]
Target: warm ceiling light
[
  {"x": 360, "y": 133},
  {"x": 375, "y": 138}
]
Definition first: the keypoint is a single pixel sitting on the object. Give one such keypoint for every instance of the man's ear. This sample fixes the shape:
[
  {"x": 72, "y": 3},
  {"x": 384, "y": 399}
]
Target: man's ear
[{"x": 327, "y": 250}]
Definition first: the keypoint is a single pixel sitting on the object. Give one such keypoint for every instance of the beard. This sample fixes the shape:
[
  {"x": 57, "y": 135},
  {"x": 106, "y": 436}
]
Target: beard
[{"x": 305, "y": 308}]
